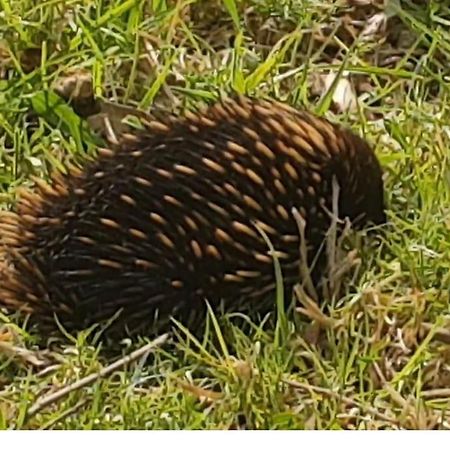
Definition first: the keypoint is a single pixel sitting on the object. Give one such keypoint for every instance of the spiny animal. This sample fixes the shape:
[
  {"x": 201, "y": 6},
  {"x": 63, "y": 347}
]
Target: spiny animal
[{"x": 174, "y": 216}]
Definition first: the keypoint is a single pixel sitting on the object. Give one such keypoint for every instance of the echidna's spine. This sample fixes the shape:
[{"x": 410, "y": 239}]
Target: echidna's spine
[{"x": 173, "y": 217}]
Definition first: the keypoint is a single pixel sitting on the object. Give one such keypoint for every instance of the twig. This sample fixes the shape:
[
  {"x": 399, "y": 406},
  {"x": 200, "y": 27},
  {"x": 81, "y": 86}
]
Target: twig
[
  {"x": 440, "y": 333},
  {"x": 347, "y": 400},
  {"x": 442, "y": 393},
  {"x": 46, "y": 400}
]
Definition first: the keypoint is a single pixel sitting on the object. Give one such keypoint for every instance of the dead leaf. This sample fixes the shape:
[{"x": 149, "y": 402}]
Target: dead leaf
[
  {"x": 244, "y": 369},
  {"x": 375, "y": 25},
  {"x": 344, "y": 96},
  {"x": 201, "y": 393},
  {"x": 23, "y": 354}
]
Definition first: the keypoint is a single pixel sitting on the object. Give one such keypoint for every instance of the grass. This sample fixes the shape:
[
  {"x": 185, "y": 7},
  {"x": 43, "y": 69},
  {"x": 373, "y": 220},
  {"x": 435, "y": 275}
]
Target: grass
[{"x": 376, "y": 355}]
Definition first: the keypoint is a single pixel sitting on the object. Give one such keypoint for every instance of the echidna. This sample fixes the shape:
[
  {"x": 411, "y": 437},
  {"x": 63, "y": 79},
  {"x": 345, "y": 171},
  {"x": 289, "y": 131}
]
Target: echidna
[{"x": 174, "y": 216}]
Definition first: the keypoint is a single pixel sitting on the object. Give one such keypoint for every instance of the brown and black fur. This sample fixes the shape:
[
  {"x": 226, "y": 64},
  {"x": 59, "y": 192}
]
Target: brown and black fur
[{"x": 168, "y": 220}]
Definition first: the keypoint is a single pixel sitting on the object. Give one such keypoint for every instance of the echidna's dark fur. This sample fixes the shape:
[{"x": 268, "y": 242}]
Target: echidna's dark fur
[{"x": 169, "y": 219}]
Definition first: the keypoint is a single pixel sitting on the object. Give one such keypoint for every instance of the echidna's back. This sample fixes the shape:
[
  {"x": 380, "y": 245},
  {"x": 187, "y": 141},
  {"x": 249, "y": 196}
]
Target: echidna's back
[{"x": 175, "y": 216}]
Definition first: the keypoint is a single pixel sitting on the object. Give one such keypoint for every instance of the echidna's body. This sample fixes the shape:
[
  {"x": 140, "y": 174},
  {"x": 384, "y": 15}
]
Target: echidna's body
[{"x": 169, "y": 219}]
